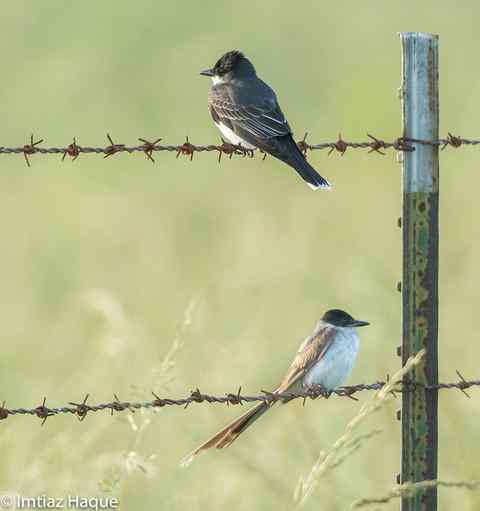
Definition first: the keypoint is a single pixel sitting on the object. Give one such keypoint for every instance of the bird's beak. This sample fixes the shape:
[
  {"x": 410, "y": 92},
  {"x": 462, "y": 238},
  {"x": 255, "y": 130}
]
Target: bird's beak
[
  {"x": 357, "y": 323},
  {"x": 207, "y": 72}
]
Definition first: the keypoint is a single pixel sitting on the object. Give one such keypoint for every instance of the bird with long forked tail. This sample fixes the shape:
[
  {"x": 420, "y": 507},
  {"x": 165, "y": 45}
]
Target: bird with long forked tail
[
  {"x": 325, "y": 358},
  {"x": 246, "y": 111}
]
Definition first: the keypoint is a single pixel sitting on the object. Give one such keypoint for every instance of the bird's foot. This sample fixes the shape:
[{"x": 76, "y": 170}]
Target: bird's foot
[
  {"x": 318, "y": 390},
  {"x": 244, "y": 151}
]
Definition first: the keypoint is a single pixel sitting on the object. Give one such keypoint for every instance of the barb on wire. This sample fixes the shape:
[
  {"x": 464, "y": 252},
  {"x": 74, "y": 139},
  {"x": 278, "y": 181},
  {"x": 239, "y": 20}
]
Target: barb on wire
[
  {"x": 72, "y": 150},
  {"x": 81, "y": 409},
  {"x": 112, "y": 148},
  {"x": 186, "y": 148},
  {"x": 31, "y": 148},
  {"x": 42, "y": 411},
  {"x": 374, "y": 145},
  {"x": 149, "y": 147}
]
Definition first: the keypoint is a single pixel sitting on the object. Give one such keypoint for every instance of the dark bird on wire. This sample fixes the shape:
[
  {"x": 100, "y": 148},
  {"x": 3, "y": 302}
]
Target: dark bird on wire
[
  {"x": 246, "y": 111},
  {"x": 325, "y": 358}
]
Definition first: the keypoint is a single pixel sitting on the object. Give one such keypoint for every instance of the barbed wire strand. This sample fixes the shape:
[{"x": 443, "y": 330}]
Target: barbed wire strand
[
  {"x": 81, "y": 409},
  {"x": 374, "y": 145},
  {"x": 409, "y": 489}
]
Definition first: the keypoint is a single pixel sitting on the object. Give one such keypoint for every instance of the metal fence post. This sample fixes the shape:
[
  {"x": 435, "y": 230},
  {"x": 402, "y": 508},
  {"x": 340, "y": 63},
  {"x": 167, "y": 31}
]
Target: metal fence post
[{"x": 420, "y": 263}]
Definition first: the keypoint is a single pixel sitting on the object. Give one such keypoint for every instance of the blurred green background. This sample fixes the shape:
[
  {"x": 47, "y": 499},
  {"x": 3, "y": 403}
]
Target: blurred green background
[{"x": 122, "y": 276}]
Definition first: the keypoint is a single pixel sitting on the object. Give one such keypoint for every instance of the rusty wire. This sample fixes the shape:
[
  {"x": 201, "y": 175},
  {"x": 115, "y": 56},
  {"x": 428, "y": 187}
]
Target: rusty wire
[
  {"x": 82, "y": 408},
  {"x": 374, "y": 145}
]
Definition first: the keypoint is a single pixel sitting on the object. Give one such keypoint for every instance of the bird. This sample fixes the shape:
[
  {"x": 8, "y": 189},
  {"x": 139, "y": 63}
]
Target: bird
[
  {"x": 324, "y": 359},
  {"x": 246, "y": 111}
]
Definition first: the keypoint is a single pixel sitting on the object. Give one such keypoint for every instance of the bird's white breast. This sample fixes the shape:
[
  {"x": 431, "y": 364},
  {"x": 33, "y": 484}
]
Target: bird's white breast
[
  {"x": 336, "y": 365},
  {"x": 232, "y": 137}
]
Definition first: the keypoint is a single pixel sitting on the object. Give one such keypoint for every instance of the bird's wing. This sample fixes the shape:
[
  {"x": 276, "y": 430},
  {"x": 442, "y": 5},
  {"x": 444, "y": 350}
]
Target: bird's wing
[
  {"x": 261, "y": 120},
  {"x": 310, "y": 352}
]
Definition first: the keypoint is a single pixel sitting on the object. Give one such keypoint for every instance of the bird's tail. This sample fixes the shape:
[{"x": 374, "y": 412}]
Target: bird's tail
[
  {"x": 229, "y": 433},
  {"x": 313, "y": 179},
  {"x": 295, "y": 158}
]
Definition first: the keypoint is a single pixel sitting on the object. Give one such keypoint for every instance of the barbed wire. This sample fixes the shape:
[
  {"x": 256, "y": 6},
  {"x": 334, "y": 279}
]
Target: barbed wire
[
  {"x": 409, "y": 489},
  {"x": 374, "y": 145},
  {"x": 81, "y": 409}
]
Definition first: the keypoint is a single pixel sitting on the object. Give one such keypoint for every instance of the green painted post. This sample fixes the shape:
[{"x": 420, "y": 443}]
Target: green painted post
[{"x": 420, "y": 103}]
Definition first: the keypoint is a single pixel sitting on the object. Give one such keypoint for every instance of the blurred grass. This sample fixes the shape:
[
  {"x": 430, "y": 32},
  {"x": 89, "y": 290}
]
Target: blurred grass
[{"x": 101, "y": 259}]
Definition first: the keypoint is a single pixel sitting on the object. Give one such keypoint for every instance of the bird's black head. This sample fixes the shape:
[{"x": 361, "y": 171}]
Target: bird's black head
[
  {"x": 337, "y": 317},
  {"x": 232, "y": 64},
  {"x": 228, "y": 62}
]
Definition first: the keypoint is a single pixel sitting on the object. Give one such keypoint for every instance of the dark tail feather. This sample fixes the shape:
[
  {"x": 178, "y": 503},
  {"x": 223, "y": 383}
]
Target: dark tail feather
[
  {"x": 313, "y": 179},
  {"x": 229, "y": 433},
  {"x": 286, "y": 149}
]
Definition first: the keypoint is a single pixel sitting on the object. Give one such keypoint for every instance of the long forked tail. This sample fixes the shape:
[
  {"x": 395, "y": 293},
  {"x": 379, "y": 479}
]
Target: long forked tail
[{"x": 229, "y": 433}]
